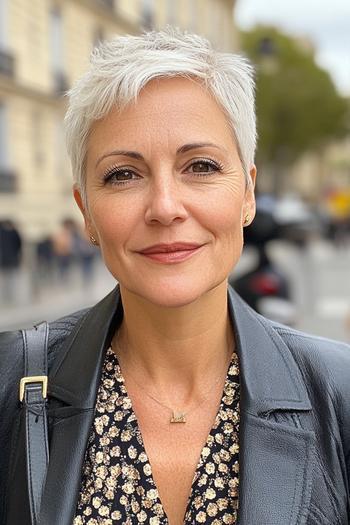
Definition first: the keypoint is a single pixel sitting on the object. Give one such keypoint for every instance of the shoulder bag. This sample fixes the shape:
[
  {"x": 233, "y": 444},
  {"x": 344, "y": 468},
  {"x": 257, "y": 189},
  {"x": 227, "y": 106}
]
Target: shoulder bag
[{"x": 33, "y": 396}]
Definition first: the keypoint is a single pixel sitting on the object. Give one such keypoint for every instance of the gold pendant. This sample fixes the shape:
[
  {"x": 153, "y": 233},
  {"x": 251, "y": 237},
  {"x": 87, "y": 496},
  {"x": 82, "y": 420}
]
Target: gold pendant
[{"x": 178, "y": 417}]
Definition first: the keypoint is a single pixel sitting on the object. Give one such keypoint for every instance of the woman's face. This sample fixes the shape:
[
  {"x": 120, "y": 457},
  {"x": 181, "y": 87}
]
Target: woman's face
[{"x": 166, "y": 193}]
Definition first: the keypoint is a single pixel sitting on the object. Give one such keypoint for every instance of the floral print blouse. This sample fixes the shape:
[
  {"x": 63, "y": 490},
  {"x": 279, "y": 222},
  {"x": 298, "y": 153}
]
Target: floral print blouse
[{"x": 117, "y": 484}]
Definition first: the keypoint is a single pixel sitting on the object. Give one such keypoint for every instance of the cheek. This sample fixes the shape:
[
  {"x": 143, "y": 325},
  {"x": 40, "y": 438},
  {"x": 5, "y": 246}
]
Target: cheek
[
  {"x": 230, "y": 231},
  {"x": 113, "y": 220},
  {"x": 229, "y": 217},
  {"x": 224, "y": 217}
]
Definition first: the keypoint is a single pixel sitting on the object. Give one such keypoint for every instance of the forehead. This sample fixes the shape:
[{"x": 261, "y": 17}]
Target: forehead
[{"x": 171, "y": 110}]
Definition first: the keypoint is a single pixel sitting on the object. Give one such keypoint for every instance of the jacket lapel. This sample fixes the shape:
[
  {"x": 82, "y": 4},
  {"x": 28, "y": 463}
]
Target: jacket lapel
[
  {"x": 74, "y": 381},
  {"x": 276, "y": 459},
  {"x": 276, "y": 473}
]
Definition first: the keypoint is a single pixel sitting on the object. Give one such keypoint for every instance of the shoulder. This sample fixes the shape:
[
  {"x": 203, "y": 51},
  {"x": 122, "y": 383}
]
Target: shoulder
[
  {"x": 316, "y": 357},
  {"x": 60, "y": 329},
  {"x": 327, "y": 358},
  {"x": 12, "y": 364},
  {"x": 11, "y": 345},
  {"x": 325, "y": 368}
]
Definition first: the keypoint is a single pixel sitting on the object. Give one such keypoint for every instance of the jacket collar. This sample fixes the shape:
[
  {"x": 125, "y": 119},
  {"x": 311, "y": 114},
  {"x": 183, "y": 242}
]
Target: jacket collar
[
  {"x": 270, "y": 378},
  {"x": 74, "y": 377},
  {"x": 276, "y": 460}
]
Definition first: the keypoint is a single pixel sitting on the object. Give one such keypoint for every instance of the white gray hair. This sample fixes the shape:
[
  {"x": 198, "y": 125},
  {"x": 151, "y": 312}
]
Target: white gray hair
[{"x": 120, "y": 68}]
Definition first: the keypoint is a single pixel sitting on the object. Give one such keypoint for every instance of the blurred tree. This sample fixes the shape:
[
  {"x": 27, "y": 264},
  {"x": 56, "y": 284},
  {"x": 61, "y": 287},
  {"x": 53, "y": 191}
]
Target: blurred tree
[{"x": 298, "y": 107}]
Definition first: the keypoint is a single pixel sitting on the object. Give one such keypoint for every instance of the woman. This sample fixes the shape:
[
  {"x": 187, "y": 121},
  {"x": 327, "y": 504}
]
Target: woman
[{"x": 154, "y": 391}]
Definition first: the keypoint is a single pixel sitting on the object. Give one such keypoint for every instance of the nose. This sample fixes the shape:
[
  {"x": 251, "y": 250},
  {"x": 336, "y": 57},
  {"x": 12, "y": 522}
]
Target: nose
[{"x": 165, "y": 202}]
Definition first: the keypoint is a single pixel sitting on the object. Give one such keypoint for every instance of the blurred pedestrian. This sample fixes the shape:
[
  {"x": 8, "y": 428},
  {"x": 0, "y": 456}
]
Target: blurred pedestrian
[
  {"x": 10, "y": 259},
  {"x": 62, "y": 244},
  {"x": 45, "y": 260},
  {"x": 86, "y": 255}
]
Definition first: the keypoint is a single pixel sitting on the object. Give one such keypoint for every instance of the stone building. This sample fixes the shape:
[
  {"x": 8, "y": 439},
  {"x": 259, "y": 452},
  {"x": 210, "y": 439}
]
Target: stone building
[{"x": 44, "y": 46}]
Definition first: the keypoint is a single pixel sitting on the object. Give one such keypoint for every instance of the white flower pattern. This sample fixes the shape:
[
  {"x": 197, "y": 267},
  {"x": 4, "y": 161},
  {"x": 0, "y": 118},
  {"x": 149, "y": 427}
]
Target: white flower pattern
[{"x": 117, "y": 486}]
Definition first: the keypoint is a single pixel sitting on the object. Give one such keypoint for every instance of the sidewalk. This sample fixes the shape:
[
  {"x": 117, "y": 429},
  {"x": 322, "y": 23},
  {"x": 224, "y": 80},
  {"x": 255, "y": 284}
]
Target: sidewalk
[
  {"x": 53, "y": 301},
  {"x": 319, "y": 278}
]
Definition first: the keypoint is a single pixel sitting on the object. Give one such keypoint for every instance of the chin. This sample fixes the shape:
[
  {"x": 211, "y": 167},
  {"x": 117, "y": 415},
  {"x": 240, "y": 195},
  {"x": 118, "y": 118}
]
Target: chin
[{"x": 173, "y": 294}]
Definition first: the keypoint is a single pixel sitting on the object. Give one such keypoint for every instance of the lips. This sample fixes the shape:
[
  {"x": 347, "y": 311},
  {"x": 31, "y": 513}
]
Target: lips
[
  {"x": 170, "y": 248},
  {"x": 171, "y": 253}
]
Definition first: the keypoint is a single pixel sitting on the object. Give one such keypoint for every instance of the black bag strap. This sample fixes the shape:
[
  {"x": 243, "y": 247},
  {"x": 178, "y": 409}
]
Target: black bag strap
[{"x": 33, "y": 395}]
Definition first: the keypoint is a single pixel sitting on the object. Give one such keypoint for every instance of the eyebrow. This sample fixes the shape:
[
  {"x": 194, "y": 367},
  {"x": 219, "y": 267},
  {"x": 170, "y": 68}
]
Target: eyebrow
[
  {"x": 124, "y": 153},
  {"x": 196, "y": 145},
  {"x": 135, "y": 155}
]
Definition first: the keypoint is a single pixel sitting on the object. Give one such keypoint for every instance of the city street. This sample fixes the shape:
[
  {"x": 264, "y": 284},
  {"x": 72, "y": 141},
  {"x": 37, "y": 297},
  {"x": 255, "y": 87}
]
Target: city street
[
  {"x": 34, "y": 303},
  {"x": 322, "y": 288},
  {"x": 320, "y": 277}
]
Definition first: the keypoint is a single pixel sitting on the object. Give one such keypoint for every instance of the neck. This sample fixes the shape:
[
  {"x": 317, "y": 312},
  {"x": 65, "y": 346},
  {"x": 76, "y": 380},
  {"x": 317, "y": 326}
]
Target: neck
[{"x": 184, "y": 347}]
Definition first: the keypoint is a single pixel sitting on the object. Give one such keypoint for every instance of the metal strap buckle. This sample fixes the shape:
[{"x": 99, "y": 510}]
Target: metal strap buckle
[{"x": 33, "y": 379}]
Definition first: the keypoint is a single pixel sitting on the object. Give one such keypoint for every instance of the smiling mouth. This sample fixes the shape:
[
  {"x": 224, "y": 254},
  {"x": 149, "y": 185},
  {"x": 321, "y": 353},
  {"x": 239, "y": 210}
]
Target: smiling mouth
[{"x": 171, "y": 253}]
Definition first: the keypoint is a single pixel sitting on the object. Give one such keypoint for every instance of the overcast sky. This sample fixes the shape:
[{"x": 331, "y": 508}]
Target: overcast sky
[{"x": 325, "y": 22}]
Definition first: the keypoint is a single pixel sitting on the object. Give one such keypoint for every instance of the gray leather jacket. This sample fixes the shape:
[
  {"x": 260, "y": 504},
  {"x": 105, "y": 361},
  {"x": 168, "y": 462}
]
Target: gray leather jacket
[{"x": 295, "y": 418}]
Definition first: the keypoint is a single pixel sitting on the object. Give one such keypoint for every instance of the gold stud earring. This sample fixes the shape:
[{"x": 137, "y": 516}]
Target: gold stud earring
[
  {"x": 246, "y": 219},
  {"x": 93, "y": 240}
]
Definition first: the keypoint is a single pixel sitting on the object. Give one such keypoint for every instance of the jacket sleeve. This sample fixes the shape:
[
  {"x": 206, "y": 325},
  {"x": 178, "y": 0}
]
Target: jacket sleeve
[
  {"x": 325, "y": 367},
  {"x": 336, "y": 360},
  {"x": 340, "y": 375},
  {"x": 11, "y": 372}
]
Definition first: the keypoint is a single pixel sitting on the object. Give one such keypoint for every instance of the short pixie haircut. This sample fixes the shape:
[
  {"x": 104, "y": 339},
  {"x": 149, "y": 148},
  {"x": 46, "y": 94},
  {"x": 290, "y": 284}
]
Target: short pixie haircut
[{"x": 120, "y": 68}]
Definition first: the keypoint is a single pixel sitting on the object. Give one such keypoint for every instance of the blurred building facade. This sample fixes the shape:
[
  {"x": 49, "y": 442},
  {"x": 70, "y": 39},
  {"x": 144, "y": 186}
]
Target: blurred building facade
[
  {"x": 317, "y": 173},
  {"x": 44, "y": 46}
]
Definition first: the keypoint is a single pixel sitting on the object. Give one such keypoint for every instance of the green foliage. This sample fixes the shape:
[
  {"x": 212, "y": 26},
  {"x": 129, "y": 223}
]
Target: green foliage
[{"x": 298, "y": 107}]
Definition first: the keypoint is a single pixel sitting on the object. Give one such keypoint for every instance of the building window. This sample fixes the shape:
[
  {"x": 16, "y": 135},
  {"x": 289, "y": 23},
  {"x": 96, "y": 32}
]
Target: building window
[
  {"x": 57, "y": 58},
  {"x": 3, "y": 136},
  {"x": 38, "y": 141},
  {"x": 61, "y": 163},
  {"x": 6, "y": 58},
  {"x": 7, "y": 176},
  {"x": 147, "y": 14},
  {"x": 109, "y": 4},
  {"x": 3, "y": 24}
]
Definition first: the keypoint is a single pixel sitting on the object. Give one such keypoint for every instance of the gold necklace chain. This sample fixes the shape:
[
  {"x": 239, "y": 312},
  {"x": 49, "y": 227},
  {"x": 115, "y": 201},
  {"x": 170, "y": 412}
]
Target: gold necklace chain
[{"x": 176, "y": 416}]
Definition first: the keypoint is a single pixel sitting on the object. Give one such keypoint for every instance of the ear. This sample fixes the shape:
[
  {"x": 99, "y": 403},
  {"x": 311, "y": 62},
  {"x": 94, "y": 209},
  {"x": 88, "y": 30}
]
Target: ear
[
  {"x": 79, "y": 200},
  {"x": 249, "y": 205}
]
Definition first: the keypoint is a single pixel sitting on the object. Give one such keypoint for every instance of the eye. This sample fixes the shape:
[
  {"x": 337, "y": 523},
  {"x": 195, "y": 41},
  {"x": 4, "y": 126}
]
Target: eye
[
  {"x": 119, "y": 176},
  {"x": 204, "y": 167}
]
